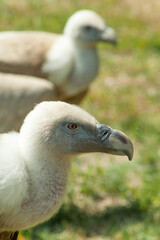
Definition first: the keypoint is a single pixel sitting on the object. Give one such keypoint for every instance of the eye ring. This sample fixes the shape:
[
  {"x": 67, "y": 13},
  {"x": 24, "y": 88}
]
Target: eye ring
[{"x": 72, "y": 126}]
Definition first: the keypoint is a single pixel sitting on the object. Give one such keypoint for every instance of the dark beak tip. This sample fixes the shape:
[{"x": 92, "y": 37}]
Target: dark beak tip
[
  {"x": 130, "y": 158},
  {"x": 114, "y": 42},
  {"x": 129, "y": 154}
]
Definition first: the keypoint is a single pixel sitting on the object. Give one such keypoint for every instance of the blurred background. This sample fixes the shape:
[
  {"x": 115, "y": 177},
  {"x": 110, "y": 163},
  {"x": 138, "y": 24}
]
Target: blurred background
[{"x": 109, "y": 197}]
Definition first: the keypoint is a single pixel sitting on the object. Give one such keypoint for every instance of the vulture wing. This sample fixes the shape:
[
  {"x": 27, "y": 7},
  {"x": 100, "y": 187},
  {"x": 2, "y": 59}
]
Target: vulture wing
[
  {"x": 24, "y": 52},
  {"x": 18, "y": 95}
]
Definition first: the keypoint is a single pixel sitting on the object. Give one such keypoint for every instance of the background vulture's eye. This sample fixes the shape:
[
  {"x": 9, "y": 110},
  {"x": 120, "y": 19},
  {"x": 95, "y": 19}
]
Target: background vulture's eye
[
  {"x": 87, "y": 28},
  {"x": 72, "y": 126}
]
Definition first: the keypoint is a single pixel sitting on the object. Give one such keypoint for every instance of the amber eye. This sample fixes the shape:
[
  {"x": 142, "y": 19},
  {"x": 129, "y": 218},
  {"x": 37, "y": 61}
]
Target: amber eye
[{"x": 72, "y": 126}]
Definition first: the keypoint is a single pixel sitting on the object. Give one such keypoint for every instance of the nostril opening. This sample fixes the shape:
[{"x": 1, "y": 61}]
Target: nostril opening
[
  {"x": 103, "y": 131},
  {"x": 104, "y": 135}
]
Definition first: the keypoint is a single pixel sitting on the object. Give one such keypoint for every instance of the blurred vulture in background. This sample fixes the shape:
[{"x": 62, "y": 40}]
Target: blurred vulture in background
[
  {"x": 18, "y": 95},
  {"x": 69, "y": 61}
]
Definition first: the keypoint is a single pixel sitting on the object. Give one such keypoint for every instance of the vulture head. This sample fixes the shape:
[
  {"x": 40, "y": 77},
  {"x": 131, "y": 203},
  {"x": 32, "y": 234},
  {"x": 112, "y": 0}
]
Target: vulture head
[
  {"x": 88, "y": 27},
  {"x": 65, "y": 129}
]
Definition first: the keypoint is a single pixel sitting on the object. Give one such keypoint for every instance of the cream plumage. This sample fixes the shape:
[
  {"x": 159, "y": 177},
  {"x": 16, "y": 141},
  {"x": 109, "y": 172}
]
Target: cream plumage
[
  {"x": 70, "y": 61},
  {"x": 18, "y": 95},
  {"x": 35, "y": 163}
]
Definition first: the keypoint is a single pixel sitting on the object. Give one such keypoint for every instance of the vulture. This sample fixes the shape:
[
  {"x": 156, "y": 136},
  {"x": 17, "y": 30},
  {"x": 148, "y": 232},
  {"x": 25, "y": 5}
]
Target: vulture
[
  {"x": 18, "y": 95},
  {"x": 70, "y": 60},
  {"x": 35, "y": 163}
]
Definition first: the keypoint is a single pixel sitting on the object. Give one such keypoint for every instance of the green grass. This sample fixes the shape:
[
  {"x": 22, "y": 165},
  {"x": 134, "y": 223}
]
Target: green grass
[{"x": 109, "y": 197}]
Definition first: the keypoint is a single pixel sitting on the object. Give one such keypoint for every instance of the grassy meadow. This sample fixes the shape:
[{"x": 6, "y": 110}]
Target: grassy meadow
[{"x": 109, "y": 197}]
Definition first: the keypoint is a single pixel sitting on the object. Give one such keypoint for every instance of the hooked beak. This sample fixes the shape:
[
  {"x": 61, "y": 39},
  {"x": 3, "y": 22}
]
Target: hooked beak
[
  {"x": 114, "y": 142},
  {"x": 108, "y": 35}
]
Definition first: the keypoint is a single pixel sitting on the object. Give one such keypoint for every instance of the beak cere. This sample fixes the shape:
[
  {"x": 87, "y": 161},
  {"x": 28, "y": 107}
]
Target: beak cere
[
  {"x": 115, "y": 142},
  {"x": 108, "y": 35}
]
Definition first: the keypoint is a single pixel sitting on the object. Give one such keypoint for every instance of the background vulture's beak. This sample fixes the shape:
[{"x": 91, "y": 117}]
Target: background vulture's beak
[{"x": 108, "y": 35}]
